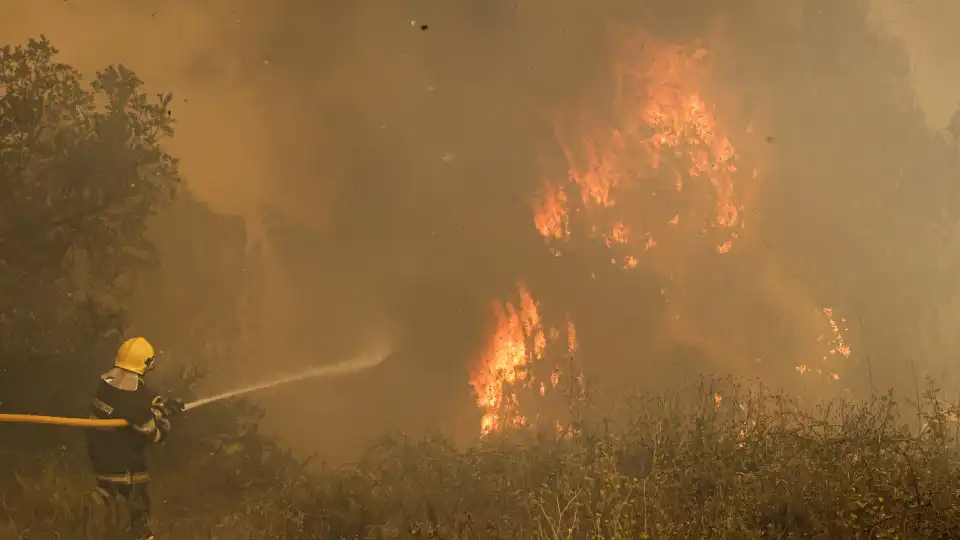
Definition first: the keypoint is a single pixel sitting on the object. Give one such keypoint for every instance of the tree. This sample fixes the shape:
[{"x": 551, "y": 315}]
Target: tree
[
  {"x": 81, "y": 169},
  {"x": 954, "y": 128}
]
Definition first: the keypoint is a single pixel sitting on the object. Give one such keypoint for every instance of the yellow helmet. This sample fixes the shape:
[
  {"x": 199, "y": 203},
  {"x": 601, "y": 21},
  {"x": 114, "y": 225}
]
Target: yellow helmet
[{"x": 136, "y": 355}]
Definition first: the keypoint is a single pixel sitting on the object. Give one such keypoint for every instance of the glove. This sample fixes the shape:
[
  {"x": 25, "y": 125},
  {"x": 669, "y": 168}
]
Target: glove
[{"x": 171, "y": 406}]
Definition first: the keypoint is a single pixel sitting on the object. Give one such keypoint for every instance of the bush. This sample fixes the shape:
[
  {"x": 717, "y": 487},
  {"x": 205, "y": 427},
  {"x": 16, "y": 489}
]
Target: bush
[{"x": 716, "y": 460}]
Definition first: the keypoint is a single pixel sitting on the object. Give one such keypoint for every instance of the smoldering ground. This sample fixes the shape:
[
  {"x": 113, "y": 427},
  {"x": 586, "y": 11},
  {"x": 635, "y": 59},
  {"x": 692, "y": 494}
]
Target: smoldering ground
[{"x": 383, "y": 158}]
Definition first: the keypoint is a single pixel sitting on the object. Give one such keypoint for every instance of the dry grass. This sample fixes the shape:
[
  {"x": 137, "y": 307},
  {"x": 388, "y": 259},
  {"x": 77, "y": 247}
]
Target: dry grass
[{"x": 679, "y": 465}]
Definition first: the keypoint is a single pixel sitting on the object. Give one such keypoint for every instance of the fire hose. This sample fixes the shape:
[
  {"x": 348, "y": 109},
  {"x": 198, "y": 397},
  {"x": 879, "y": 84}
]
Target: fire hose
[
  {"x": 323, "y": 371},
  {"x": 76, "y": 422}
]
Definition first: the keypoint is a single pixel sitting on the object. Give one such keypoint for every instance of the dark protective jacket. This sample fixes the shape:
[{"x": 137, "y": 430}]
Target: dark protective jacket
[{"x": 117, "y": 453}]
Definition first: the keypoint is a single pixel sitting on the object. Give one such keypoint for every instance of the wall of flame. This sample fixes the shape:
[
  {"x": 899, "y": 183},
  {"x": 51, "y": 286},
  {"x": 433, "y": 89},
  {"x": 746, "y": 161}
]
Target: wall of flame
[{"x": 657, "y": 179}]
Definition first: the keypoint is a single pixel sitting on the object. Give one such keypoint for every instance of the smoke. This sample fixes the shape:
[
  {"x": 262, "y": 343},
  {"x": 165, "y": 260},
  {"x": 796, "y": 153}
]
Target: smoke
[
  {"x": 928, "y": 32},
  {"x": 382, "y": 157}
]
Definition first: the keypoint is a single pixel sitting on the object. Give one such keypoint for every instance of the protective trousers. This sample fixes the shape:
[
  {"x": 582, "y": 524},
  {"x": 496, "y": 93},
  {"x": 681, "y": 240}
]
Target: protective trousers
[{"x": 133, "y": 502}]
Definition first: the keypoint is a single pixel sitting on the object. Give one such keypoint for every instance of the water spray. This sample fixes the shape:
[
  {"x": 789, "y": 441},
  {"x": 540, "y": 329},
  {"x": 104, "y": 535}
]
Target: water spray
[{"x": 335, "y": 370}]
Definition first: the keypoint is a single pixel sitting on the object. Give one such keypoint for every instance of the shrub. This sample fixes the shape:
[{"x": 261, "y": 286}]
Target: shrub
[{"x": 714, "y": 460}]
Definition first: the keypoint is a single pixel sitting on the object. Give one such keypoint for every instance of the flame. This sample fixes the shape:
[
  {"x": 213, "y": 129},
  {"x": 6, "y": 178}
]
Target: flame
[
  {"x": 665, "y": 136},
  {"x": 552, "y": 219},
  {"x": 505, "y": 359},
  {"x": 683, "y": 122},
  {"x": 835, "y": 343},
  {"x": 838, "y": 344},
  {"x": 506, "y": 367}
]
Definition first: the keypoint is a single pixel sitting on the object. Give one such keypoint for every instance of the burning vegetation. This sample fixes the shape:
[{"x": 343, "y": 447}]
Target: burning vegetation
[
  {"x": 657, "y": 179},
  {"x": 513, "y": 360},
  {"x": 636, "y": 175}
]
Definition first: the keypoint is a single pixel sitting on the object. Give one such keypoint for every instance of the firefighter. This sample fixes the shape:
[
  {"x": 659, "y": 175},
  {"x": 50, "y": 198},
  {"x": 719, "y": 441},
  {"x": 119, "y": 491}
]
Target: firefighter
[{"x": 117, "y": 453}]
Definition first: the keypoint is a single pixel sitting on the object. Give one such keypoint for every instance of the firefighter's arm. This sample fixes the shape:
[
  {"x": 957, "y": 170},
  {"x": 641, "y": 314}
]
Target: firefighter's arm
[
  {"x": 154, "y": 425},
  {"x": 152, "y": 417}
]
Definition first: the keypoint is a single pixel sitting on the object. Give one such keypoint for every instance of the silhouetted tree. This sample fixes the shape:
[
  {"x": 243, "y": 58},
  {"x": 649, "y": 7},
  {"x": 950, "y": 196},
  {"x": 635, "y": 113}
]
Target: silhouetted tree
[
  {"x": 81, "y": 169},
  {"x": 954, "y": 127},
  {"x": 863, "y": 196}
]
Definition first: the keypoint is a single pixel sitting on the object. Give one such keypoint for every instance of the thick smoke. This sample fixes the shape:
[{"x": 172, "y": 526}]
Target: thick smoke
[{"x": 383, "y": 157}]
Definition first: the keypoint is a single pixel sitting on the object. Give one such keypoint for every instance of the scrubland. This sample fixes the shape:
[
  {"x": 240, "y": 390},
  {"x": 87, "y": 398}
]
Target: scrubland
[{"x": 717, "y": 459}]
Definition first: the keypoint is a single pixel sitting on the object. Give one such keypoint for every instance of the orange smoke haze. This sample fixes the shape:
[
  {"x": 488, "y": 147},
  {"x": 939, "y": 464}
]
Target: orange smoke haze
[{"x": 527, "y": 196}]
